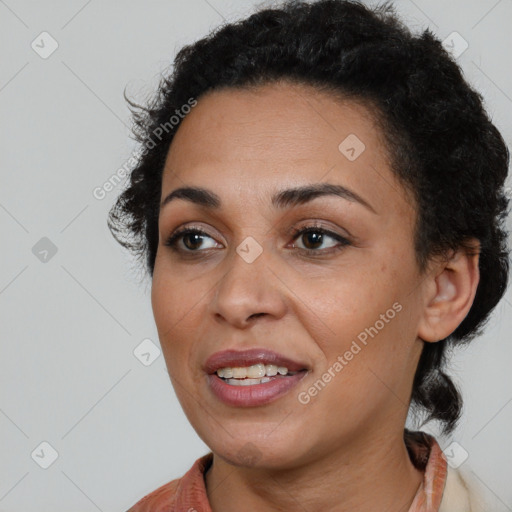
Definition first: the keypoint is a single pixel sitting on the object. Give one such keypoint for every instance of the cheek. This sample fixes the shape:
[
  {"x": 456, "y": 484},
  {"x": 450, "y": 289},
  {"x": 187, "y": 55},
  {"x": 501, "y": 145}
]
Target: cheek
[
  {"x": 376, "y": 346},
  {"x": 172, "y": 299},
  {"x": 174, "y": 309},
  {"x": 364, "y": 371},
  {"x": 367, "y": 322},
  {"x": 354, "y": 301}
]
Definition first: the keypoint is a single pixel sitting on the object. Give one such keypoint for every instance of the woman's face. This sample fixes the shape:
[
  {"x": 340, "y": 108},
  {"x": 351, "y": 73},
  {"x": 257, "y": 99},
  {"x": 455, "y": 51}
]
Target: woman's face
[{"x": 342, "y": 300}]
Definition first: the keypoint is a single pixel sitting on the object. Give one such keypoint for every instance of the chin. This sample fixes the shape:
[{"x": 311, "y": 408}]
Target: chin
[{"x": 256, "y": 451}]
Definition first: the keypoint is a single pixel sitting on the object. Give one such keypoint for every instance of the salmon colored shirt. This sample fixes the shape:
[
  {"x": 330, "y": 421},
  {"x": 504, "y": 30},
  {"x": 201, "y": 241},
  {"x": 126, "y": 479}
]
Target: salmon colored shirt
[{"x": 188, "y": 493}]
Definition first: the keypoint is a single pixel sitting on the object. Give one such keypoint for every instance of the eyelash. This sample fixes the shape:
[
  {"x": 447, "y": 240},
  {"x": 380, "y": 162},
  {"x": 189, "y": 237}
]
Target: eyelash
[
  {"x": 172, "y": 241},
  {"x": 315, "y": 228}
]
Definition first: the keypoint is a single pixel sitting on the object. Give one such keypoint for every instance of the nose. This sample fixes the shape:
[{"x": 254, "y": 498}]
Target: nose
[{"x": 248, "y": 291}]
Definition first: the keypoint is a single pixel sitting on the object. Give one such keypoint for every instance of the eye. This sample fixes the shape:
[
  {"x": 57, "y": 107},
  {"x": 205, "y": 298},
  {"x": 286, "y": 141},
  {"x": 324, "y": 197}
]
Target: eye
[
  {"x": 192, "y": 239},
  {"x": 313, "y": 237}
]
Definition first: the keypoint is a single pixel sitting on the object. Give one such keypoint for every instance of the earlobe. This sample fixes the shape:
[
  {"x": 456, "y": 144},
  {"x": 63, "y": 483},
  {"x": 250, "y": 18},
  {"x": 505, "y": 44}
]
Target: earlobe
[{"x": 449, "y": 294}]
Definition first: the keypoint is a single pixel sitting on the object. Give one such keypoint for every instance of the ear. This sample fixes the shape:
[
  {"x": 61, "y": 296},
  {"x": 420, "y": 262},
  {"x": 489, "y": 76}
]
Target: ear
[{"x": 449, "y": 291}]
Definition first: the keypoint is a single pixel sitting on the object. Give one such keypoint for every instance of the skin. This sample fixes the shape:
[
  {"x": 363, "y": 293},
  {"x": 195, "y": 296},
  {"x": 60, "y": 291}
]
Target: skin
[{"x": 344, "y": 449}]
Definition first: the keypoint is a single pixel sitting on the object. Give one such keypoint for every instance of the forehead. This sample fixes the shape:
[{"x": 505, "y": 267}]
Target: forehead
[{"x": 252, "y": 141}]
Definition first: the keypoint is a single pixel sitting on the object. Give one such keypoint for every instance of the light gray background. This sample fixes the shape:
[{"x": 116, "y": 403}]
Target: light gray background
[{"x": 68, "y": 374}]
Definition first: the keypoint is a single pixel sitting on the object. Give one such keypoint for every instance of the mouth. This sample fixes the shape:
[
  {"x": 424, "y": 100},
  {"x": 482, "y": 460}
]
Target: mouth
[
  {"x": 255, "y": 374},
  {"x": 249, "y": 358},
  {"x": 252, "y": 377}
]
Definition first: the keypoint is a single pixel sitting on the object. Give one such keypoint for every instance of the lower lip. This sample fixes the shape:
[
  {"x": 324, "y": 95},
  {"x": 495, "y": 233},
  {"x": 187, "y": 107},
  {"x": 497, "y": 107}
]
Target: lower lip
[{"x": 256, "y": 394}]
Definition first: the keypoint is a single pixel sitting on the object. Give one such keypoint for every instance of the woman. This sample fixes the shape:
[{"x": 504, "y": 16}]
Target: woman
[{"x": 319, "y": 202}]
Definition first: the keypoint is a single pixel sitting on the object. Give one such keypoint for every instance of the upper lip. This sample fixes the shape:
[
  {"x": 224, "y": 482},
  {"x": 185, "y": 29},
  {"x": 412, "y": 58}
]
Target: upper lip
[{"x": 233, "y": 358}]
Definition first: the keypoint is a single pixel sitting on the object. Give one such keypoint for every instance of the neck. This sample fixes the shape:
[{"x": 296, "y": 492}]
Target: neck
[{"x": 369, "y": 475}]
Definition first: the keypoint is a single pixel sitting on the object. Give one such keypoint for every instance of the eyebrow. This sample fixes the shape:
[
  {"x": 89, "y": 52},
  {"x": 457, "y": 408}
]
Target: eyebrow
[{"x": 283, "y": 199}]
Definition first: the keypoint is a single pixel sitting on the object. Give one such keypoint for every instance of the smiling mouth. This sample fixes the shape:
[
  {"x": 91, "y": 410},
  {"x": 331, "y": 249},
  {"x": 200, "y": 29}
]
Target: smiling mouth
[
  {"x": 252, "y": 377},
  {"x": 255, "y": 371},
  {"x": 253, "y": 392},
  {"x": 255, "y": 374}
]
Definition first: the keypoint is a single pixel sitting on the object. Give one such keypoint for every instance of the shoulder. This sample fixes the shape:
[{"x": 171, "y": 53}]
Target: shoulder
[
  {"x": 176, "y": 493},
  {"x": 159, "y": 500},
  {"x": 463, "y": 493}
]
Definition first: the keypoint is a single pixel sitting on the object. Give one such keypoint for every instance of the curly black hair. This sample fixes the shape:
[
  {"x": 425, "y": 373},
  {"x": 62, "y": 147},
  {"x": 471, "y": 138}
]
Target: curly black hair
[{"x": 443, "y": 146}]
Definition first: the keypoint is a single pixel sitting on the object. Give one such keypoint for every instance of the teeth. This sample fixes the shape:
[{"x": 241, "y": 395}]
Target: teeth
[
  {"x": 247, "y": 382},
  {"x": 256, "y": 371},
  {"x": 239, "y": 373},
  {"x": 271, "y": 370}
]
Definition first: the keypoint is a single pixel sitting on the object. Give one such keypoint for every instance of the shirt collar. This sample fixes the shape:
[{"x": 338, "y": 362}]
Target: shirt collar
[{"x": 423, "y": 449}]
